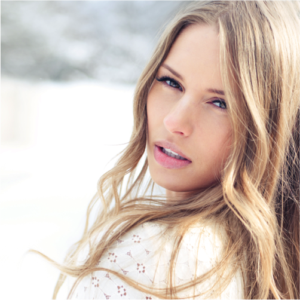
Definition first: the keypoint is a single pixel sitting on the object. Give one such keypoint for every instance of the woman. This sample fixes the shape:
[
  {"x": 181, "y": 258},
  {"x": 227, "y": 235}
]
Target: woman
[{"x": 216, "y": 112}]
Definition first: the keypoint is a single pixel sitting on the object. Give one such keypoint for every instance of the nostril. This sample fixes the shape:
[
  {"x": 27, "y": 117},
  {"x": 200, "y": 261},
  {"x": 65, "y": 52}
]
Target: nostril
[{"x": 179, "y": 132}]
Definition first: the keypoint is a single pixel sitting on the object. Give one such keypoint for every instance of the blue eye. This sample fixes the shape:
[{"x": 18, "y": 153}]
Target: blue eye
[
  {"x": 170, "y": 82},
  {"x": 220, "y": 103}
]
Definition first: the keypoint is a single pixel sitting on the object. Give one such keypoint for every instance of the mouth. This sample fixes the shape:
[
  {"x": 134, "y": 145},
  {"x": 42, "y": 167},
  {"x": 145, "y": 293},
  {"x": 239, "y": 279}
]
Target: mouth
[
  {"x": 169, "y": 159},
  {"x": 171, "y": 153}
]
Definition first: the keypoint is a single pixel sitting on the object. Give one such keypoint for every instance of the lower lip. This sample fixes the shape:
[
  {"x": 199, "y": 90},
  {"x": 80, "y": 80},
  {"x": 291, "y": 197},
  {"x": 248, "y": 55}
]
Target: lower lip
[{"x": 168, "y": 161}]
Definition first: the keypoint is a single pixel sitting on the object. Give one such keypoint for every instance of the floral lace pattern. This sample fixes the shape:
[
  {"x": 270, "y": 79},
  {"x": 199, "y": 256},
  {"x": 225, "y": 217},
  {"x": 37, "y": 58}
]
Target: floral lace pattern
[{"x": 138, "y": 255}]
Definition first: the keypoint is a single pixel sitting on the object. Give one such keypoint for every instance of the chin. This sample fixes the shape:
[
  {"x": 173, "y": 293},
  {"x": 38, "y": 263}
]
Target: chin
[
  {"x": 178, "y": 185},
  {"x": 173, "y": 185}
]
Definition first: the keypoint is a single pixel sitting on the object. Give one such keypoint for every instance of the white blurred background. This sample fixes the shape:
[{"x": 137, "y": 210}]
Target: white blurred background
[{"x": 68, "y": 70}]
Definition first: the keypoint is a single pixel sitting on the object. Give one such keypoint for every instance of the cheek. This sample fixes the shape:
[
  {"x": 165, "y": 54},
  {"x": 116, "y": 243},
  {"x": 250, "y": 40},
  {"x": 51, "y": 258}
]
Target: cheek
[
  {"x": 215, "y": 140},
  {"x": 156, "y": 111},
  {"x": 150, "y": 116},
  {"x": 223, "y": 147}
]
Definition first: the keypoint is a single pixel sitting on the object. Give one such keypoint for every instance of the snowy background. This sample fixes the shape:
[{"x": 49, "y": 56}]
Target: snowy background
[{"x": 68, "y": 71}]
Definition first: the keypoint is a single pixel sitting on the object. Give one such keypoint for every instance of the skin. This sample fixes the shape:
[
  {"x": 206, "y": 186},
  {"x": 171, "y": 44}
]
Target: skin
[{"x": 188, "y": 112}]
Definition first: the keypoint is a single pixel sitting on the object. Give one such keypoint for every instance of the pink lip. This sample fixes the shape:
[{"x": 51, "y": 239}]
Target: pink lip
[
  {"x": 168, "y": 161},
  {"x": 173, "y": 147}
]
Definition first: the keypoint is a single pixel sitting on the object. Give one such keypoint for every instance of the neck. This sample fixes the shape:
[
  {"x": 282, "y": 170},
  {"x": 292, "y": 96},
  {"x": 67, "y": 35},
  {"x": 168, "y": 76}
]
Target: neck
[{"x": 171, "y": 195}]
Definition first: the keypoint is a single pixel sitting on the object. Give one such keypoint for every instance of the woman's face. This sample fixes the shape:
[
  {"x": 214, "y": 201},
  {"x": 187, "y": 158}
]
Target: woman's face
[{"x": 186, "y": 110}]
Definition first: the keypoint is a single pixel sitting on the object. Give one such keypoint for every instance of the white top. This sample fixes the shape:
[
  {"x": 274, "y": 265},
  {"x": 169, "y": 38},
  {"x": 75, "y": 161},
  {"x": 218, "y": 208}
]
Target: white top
[{"x": 135, "y": 255}]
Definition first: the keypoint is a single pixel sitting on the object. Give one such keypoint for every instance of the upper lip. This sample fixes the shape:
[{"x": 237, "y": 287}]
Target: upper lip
[{"x": 171, "y": 146}]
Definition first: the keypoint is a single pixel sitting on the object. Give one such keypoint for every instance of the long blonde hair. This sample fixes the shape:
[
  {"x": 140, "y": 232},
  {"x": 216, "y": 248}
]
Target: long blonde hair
[{"x": 257, "y": 200}]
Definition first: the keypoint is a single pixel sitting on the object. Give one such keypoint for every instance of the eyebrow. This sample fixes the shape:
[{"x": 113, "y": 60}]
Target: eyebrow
[
  {"x": 219, "y": 92},
  {"x": 214, "y": 91},
  {"x": 172, "y": 71}
]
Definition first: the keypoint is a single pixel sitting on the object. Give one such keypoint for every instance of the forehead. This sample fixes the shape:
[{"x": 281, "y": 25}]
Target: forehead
[{"x": 195, "y": 55}]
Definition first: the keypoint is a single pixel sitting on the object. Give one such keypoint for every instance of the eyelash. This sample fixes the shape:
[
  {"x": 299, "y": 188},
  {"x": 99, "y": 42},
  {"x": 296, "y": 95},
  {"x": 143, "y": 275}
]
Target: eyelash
[
  {"x": 178, "y": 86},
  {"x": 222, "y": 102},
  {"x": 171, "y": 80}
]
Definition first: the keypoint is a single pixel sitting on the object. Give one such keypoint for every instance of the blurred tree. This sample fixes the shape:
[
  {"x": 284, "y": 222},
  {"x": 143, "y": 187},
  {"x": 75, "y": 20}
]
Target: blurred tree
[{"x": 68, "y": 40}]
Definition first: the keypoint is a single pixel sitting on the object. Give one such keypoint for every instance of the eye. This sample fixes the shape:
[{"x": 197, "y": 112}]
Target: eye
[
  {"x": 170, "y": 82},
  {"x": 220, "y": 103}
]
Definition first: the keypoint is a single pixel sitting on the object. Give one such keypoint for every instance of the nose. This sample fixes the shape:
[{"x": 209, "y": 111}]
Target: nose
[{"x": 179, "y": 119}]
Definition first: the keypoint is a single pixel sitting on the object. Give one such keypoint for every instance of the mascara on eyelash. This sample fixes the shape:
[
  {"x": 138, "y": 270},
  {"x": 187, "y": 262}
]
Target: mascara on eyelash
[
  {"x": 222, "y": 102},
  {"x": 165, "y": 78}
]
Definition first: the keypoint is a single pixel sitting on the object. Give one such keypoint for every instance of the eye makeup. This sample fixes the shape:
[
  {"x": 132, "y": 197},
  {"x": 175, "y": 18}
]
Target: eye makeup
[
  {"x": 221, "y": 102},
  {"x": 173, "y": 83},
  {"x": 170, "y": 82}
]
